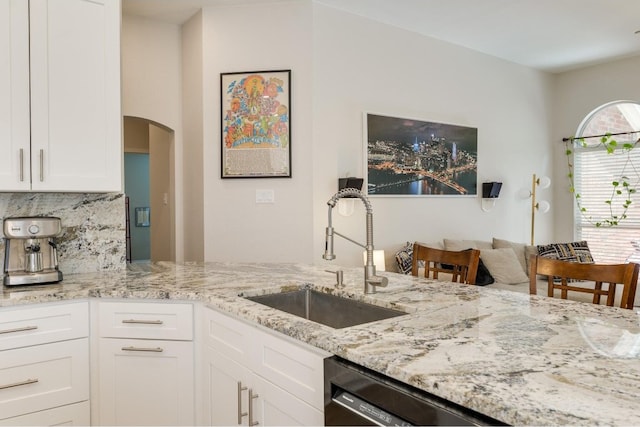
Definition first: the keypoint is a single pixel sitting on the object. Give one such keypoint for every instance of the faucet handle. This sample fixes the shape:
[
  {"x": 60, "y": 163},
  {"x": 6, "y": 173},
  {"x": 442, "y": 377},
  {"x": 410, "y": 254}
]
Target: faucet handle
[{"x": 378, "y": 281}]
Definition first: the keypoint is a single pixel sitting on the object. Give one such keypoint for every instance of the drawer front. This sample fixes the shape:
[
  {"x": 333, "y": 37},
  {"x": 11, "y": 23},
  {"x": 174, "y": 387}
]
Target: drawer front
[
  {"x": 43, "y": 377},
  {"x": 297, "y": 369},
  {"x": 77, "y": 414},
  {"x": 229, "y": 336},
  {"x": 146, "y": 320},
  {"x": 24, "y": 326}
]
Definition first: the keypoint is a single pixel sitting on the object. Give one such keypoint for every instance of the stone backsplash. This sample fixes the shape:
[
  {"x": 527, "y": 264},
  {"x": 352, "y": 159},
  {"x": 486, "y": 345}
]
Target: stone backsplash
[{"x": 93, "y": 227}]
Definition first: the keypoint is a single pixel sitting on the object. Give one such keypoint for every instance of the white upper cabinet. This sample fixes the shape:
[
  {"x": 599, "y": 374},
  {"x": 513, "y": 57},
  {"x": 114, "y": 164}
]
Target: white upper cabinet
[
  {"x": 14, "y": 95},
  {"x": 75, "y": 124}
]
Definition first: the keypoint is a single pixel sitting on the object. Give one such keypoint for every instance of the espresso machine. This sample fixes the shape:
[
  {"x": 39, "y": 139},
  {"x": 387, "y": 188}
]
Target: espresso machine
[{"x": 30, "y": 254}]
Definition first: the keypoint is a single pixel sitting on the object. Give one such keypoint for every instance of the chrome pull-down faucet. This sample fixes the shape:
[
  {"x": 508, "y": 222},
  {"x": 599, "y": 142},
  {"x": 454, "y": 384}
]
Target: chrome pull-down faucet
[{"x": 371, "y": 280}]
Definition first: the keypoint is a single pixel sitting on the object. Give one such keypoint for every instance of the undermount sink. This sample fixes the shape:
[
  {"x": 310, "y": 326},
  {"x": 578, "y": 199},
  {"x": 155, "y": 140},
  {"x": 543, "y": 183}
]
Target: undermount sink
[{"x": 327, "y": 309}]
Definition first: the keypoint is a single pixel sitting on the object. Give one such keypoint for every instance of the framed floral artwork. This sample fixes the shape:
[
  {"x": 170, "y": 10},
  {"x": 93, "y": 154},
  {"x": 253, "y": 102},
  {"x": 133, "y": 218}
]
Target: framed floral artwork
[{"x": 256, "y": 124}]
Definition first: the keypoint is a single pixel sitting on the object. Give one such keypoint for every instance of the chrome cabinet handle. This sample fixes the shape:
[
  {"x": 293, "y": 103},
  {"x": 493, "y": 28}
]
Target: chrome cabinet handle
[
  {"x": 21, "y": 164},
  {"x": 18, "y": 384},
  {"x": 41, "y": 165},
  {"x": 240, "y": 413},
  {"x": 25, "y": 328},
  {"x": 143, "y": 322},
  {"x": 251, "y": 397},
  {"x": 149, "y": 349}
]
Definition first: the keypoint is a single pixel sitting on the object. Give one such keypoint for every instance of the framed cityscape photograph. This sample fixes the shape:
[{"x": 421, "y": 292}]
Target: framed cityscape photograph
[
  {"x": 409, "y": 157},
  {"x": 256, "y": 124}
]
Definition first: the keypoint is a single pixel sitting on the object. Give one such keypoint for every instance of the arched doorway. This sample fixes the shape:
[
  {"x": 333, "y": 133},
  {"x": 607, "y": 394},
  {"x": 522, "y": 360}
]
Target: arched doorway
[{"x": 149, "y": 186}]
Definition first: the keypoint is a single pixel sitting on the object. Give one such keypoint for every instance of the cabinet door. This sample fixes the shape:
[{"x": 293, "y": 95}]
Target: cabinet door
[
  {"x": 14, "y": 95},
  {"x": 226, "y": 391},
  {"x": 76, "y": 123},
  {"x": 146, "y": 382},
  {"x": 275, "y": 407}
]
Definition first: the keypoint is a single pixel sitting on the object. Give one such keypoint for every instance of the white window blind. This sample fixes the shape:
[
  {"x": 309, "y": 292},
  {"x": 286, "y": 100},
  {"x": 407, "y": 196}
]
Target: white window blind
[{"x": 594, "y": 172}]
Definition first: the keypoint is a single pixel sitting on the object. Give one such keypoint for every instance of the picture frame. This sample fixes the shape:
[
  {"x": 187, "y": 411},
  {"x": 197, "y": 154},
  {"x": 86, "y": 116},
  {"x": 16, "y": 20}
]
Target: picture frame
[
  {"x": 143, "y": 217},
  {"x": 255, "y": 111},
  {"x": 407, "y": 157}
]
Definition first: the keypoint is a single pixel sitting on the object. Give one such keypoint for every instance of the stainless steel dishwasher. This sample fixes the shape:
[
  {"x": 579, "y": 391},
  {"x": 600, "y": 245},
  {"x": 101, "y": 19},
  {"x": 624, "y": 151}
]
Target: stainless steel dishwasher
[{"x": 354, "y": 395}]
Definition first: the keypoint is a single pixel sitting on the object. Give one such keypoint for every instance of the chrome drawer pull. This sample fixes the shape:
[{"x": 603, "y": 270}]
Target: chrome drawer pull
[
  {"x": 18, "y": 384},
  {"x": 251, "y": 397},
  {"x": 240, "y": 413},
  {"x": 23, "y": 329},
  {"x": 143, "y": 322},
  {"x": 151, "y": 349}
]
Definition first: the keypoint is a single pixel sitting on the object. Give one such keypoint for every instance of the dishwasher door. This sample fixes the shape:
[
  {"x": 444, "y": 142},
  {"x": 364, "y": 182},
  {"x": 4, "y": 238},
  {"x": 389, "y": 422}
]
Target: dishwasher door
[{"x": 354, "y": 395}]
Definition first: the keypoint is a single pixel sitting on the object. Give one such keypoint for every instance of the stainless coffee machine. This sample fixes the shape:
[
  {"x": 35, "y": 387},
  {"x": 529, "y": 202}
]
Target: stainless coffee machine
[{"x": 30, "y": 254}]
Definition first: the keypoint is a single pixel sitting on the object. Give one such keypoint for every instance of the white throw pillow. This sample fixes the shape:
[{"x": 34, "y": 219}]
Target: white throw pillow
[
  {"x": 503, "y": 265},
  {"x": 518, "y": 248},
  {"x": 461, "y": 245}
]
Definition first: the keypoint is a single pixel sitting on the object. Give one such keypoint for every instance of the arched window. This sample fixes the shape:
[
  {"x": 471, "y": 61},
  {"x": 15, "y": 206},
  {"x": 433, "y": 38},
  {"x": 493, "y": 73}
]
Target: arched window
[{"x": 594, "y": 172}]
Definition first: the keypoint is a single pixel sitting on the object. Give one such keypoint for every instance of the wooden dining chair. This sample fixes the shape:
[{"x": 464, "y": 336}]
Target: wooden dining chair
[
  {"x": 461, "y": 265},
  {"x": 587, "y": 278}
]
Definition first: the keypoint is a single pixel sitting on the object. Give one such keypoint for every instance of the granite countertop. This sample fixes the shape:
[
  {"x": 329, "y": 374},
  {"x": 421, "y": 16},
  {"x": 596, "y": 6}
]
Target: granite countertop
[{"x": 517, "y": 358}]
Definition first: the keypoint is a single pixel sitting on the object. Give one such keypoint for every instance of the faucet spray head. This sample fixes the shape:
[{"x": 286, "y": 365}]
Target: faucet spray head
[{"x": 328, "y": 245}]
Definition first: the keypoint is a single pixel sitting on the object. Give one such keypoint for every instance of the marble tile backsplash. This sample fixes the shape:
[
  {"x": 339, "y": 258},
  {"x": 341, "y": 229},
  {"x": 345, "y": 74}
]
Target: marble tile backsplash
[{"x": 93, "y": 227}]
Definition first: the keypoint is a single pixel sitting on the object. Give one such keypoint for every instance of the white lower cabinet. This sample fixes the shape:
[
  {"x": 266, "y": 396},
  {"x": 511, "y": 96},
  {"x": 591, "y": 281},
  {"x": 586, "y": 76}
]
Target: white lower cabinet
[
  {"x": 146, "y": 382},
  {"x": 44, "y": 365},
  {"x": 144, "y": 360},
  {"x": 254, "y": 377},
  {"x": 145, "y": 364},
  {"x": 227, "y": 392}
]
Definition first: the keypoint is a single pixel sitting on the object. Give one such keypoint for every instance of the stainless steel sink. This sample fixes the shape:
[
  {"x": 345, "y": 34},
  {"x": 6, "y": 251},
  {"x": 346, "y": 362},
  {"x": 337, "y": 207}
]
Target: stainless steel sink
[{"x": 327, "y": 309}]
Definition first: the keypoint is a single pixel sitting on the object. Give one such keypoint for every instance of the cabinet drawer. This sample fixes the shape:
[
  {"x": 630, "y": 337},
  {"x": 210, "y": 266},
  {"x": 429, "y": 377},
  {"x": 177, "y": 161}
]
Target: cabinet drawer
[
  {"x": 296, "y": 368},
  {"x": 77, "y": 414},
  {"x": 229, "y": 336},
  {"x": 24, "y": 326},
  {"x": 43, "y": 377},
  {"x": 146, "y": 320}
]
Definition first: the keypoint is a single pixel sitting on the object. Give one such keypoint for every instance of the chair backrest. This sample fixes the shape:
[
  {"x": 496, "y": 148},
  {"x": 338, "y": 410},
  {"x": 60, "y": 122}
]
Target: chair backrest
[
  {"x": 559, "y": 275},
  {"x": 461, "y": 265}
]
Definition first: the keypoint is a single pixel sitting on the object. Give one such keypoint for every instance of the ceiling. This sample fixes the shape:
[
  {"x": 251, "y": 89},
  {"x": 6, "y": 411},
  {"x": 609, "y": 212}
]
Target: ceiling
[{"x": 550, "y": 35}]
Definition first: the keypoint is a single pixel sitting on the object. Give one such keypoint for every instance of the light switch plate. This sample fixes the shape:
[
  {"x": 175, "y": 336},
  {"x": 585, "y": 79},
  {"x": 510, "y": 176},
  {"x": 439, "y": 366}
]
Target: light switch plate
[{"x": 265, "y": 196}]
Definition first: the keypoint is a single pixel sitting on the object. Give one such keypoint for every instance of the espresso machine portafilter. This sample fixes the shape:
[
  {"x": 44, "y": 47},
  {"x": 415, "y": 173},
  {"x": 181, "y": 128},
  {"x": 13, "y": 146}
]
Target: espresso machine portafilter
[{"x": 31, "y": 254}]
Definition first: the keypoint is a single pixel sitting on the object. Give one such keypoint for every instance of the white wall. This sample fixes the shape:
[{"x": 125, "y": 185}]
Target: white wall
[
  {"x": 343, "y": 65},
  {"x": 577, "y": 93},
  {"x": 361, "y": 65},
  {"x": 194, "y": 161},
  {"x": 252, "y": 38},
  {"x": 151, "y": 87}
]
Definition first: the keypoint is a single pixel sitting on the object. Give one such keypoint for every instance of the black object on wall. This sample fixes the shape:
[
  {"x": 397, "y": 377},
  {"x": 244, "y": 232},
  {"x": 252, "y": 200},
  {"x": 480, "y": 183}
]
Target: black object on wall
[
  {"x": 491, "y": 190},
  {"x": 350, "y": 183}
]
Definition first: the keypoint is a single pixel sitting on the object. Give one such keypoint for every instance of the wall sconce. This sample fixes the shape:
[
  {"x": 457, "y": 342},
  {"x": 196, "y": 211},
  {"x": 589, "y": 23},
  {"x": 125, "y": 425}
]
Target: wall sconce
[
  {"x": 346, "y": 205},
  {"x": 537, "y": 205},
  {"x": 490, "y": 192},
  {"x": 378, "y": 259}
]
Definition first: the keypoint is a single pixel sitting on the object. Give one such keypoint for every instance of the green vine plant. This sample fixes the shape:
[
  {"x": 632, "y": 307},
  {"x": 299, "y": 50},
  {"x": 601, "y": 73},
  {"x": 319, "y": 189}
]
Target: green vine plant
[{"x": 622, "y": 189}]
